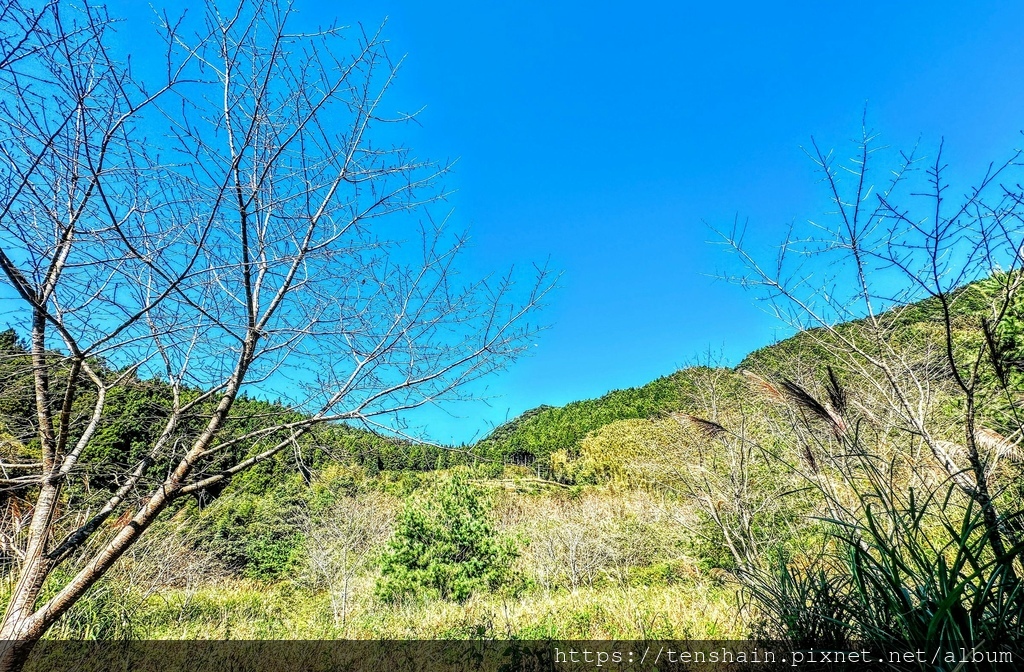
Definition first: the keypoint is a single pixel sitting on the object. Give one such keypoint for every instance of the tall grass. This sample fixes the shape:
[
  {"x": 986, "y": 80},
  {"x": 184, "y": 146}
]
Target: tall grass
[{"x": 908, "y": 567}]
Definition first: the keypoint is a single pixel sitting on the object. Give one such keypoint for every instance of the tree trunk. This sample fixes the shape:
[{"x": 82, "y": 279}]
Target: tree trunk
[{"x": 15, "y": 649}]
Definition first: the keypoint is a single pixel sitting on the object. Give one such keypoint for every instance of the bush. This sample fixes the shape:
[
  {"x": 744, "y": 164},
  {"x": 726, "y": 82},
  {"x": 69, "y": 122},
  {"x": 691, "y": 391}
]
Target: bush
[
  {"x": 255, "y": 534},
  {"x": 445, "y": 546}
]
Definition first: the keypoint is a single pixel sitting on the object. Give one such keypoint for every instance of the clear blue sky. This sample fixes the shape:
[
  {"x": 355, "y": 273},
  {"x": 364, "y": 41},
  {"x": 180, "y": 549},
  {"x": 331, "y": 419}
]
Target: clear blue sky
[{"x": 608, "y": 136}]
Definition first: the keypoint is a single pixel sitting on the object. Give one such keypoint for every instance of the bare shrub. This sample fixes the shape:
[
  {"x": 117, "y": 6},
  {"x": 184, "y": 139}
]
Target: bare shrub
[
  {"x": 343, "y": 541},
  {"x": 596, "y": 538}
]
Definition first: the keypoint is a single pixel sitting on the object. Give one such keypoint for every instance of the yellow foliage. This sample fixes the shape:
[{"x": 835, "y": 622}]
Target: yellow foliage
[
  {"x": 10, "y": 448},
  {"x": 619, "y": 451}
]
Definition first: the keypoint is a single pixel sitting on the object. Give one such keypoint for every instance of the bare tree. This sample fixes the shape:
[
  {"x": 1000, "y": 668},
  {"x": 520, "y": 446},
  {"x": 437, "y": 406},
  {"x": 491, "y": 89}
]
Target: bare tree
[
  {"x": 342, "y": 541},
  {"x": 712, "y": 459},
  {"x": 882, "y": 250},
  {"x": 236, "y": 220}
]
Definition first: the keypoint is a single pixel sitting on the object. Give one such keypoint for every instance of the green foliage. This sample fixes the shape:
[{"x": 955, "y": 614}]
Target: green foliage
[
  {"x": 134, "y": 419},
  {"x": 708, "y": 546},
  {"x": 661, "y": 573},
  {"x": 915, "y": 571},
  {"x": 445, "y": 545},
  {"x": 911, "y": 569},
  {"x": 17, "y": 403},
  {"x": 610, "y": 453},
  {"x": 333, "y": 482},
  {"x": 547, "y": 430},
  {"x": 254, "y": 533}
]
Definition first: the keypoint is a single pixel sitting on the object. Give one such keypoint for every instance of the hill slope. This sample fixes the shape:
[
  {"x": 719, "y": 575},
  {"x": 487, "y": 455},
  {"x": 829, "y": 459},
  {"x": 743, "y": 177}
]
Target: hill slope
[{"x": 539, "y": 432}]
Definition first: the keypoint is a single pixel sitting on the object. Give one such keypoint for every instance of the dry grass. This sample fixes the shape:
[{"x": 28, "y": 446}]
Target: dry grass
[
  {"x": 241, "y": 610},
  {"x": 597, "y": 564}
]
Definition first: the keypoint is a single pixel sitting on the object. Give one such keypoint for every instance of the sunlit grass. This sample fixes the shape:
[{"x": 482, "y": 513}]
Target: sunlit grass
[{"x": 700, "y": 609}]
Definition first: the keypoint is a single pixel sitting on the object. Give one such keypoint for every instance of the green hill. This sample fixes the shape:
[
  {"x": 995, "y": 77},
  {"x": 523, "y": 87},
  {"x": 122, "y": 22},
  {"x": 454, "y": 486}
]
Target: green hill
[{"x": 537, "y": 433}]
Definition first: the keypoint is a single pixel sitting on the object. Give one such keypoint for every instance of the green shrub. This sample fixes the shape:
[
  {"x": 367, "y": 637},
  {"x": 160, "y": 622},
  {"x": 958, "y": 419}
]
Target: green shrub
[
  {"x": 254, "y": 534},
  {"x": 444, "y": 545}
]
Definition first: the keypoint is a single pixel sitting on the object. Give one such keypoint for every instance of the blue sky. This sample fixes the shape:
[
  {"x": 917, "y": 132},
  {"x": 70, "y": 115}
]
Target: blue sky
[{"x": 607, "y": 138}]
